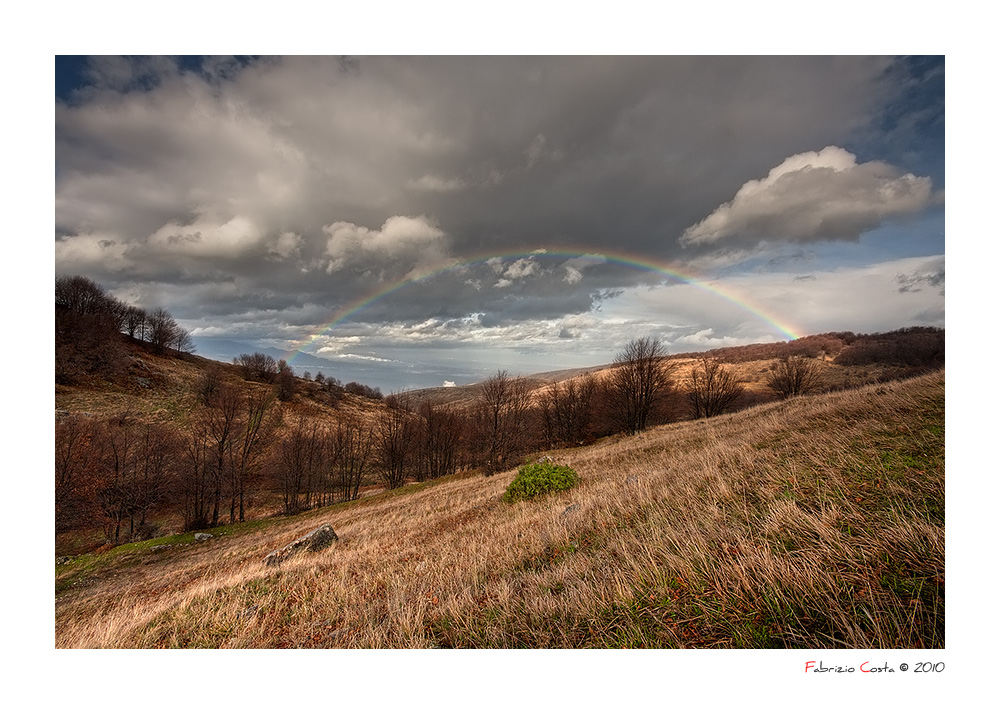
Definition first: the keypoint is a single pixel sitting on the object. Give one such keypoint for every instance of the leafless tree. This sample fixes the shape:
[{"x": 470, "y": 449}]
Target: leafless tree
[
  {"x": 77, "y": 462},
  {"x": 639, "y": 379},
  {"x": 396, "y": 436},
  {"x": 157, "y": 457},
  {"x": 257, "y": 366},
  {"x": 87, "y": 331},
  {"x": 712, "y": 388},
  {"x": 285, "y": 381},
  {"x": 499, "y": 419},
  {"x": 301, "y": 455},
  {"x": 253, "y": 434},
  {"x": 566, "y": 409},
  {"x": 120, "y": 458},
  {"x": 135, "y": 322},
  {"x": 440, "y": 440},
  {"x": 194, "y": 478},
  {"x": 163, "y": 332},
  {"x": 792, "y": 376},
  {"x": 352, "y": 447}
]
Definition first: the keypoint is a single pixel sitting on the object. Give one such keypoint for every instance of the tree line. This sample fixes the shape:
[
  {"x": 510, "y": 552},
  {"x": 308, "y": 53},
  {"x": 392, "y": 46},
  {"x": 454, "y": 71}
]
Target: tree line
[
  {"x": 89, "y": 328},
  {"x": 240, "y": 444}
]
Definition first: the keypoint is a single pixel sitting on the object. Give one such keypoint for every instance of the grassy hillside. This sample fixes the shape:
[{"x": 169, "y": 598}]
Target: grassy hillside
[{"x": 816, "y": 522}]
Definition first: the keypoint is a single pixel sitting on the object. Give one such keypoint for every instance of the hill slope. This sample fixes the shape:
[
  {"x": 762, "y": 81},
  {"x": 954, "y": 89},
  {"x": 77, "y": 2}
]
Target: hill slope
[{"x": 816, "y": 522}]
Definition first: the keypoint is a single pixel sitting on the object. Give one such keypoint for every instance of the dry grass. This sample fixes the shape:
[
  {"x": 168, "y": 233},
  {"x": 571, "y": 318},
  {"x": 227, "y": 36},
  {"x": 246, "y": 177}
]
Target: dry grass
[{"x": 815, "y": 523}]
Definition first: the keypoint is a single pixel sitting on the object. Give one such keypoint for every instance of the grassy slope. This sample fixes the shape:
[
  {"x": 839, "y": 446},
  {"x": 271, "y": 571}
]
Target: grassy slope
[{"x": 817, "y": 522}]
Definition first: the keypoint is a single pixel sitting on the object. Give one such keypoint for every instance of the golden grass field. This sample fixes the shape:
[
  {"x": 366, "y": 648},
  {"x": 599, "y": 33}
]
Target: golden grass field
[{"x": 815, "y": 523}]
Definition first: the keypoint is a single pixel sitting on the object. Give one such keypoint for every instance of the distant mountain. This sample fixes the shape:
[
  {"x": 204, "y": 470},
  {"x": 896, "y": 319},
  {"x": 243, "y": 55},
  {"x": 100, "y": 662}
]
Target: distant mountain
[{"x": 346, "y": 370}]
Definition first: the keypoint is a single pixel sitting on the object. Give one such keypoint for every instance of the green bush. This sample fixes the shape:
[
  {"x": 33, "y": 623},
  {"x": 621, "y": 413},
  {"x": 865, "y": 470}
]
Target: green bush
[{"x": 541, "y": 477}]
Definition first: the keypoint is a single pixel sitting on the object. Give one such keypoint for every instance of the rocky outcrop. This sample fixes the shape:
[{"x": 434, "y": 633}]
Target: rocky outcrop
[{"x": 313, "y": 541}]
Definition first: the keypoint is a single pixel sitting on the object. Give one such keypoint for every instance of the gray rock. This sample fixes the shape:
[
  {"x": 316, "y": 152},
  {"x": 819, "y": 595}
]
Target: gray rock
[
  {"x": 63, "y": 560},
  {"x": 571, "y": 509},
  {"x": 202, "y": 536},
  {"x": 313, "y": 541}
]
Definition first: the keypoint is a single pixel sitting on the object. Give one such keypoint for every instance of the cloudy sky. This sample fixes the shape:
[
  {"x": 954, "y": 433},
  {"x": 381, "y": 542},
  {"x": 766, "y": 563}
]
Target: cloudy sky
[{"x": 412, "y": 222}]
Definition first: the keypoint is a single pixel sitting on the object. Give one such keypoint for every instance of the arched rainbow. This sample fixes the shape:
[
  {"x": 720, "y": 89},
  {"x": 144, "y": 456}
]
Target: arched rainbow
[{"x": 602, "y": 255}]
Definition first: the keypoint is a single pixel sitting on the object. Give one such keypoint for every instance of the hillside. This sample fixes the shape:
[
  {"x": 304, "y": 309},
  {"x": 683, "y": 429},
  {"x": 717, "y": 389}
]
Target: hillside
[
  {"x": 816, "y": 522},
  {"x": 152, "y": 440}
]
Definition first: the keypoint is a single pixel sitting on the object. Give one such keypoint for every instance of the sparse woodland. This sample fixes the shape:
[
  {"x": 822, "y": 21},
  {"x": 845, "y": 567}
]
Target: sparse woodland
[
  {"x": 152, "y": 441},
  {"x": 251, "y": 437}
]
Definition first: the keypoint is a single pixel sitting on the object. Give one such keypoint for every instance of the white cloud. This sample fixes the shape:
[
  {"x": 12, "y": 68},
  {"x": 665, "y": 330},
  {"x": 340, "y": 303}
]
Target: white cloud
[
  {"x": 823, "y": 195},
  {"x": 286, "y": 245},
  {"x": 412, "y": 240},
  {"x": 207, "y": 237},
  {"x": 91, "y": 251},
  {"x": 573, "y": 275},
  {"x": 521, "y": 268}
]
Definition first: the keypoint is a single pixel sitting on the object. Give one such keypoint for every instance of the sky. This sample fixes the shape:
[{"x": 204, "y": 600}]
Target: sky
[{"x": 411, "y": 222}]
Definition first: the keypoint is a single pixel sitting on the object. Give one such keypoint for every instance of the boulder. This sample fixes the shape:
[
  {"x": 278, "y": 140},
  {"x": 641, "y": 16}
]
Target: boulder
[
  {"x": 313, "y": 541},
  {"x": 202, "y": 536}
]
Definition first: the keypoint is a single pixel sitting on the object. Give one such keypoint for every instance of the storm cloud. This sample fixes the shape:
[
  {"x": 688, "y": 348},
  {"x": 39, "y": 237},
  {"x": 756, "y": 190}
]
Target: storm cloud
[{"x": 478, "y": 200}]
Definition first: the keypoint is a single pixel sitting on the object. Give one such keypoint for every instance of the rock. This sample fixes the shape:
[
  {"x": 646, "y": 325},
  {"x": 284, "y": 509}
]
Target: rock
[
  {"x": 202, "y": 536},
  {"x": 631, "y": 479},
  {"x": 571, "y": 509},
  {"x": 314, "y": 541},
  {"x": 63, "y": 560}
]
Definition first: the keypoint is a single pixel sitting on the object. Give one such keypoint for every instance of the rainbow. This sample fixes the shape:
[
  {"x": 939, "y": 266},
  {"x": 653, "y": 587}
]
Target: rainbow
[{"x": 598, "y": 255}]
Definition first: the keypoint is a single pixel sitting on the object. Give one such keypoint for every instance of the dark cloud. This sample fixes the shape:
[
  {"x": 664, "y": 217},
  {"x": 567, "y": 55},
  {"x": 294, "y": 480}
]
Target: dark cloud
[{"x": 284, "y": 192}]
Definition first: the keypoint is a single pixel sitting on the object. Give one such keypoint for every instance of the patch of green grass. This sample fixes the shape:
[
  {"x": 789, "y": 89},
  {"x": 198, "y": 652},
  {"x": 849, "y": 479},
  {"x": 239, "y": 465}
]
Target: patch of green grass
[{"x": 537, "y": 478}]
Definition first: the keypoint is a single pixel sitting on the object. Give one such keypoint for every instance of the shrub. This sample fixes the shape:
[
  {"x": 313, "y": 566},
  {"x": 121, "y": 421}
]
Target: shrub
[{"x": 541, "y": 477}]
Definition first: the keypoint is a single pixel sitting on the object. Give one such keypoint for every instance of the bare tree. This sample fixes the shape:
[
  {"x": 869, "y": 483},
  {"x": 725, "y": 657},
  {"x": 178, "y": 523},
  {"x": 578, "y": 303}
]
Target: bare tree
[
  {"x": 396, "y": 434},
  {"x": 301, "y": 455},
  {"x": 254, "y": 431},
  {"x": 194, "y": 478},
  {"x": 440, "y": 440},
  {"x": 712, "y": 388},
  {"x": 134, "y": 323},
  {"x": 87, "y": 331},
  {"x": 219, "y": 423},
  {"x": 257, "y": 366},
  {"x": 162, "y": 331},
  {"x": 638, "y": 380},
  {"x": 77, "y": 461},
  {"x": 157, "y": 457},
  {"x": 566, "y": 410},
  {"x": 285, "y": 380},
  {"x": 352, "y": 447},
  {"x": 792, "y": 376},
  {"x": 499, "y": 418}
]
